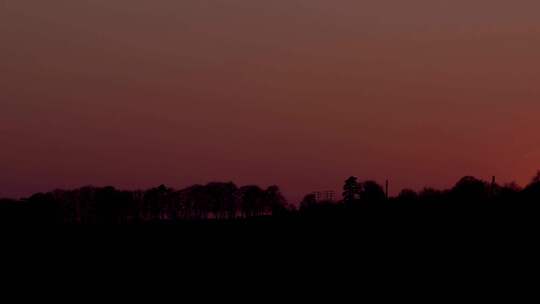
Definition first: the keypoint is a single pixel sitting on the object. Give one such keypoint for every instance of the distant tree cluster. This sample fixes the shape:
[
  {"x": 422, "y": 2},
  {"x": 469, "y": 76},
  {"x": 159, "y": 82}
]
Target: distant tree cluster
[
  {"x": 469, "y": 194},
  {"x": 215, "y": 200}
]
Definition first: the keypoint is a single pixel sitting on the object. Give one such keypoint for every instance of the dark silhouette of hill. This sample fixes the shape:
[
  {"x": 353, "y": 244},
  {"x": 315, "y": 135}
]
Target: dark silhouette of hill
[{"x": 469, "y": 201}]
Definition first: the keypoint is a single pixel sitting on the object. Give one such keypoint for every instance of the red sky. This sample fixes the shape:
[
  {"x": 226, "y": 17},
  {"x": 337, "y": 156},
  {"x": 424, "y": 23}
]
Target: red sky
[{"x": 302, "y": 93}]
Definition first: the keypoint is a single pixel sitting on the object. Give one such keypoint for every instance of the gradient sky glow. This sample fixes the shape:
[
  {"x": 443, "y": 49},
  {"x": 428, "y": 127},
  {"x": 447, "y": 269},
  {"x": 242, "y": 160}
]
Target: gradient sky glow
[{"x": 302, "y": 93}]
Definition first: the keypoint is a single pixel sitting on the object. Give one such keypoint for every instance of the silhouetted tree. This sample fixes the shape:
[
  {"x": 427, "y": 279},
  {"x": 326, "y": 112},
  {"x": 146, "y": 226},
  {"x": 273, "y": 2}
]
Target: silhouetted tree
[
  {"x": 275, "y": 201},
  {"x": 222, "y": 199},
  {"x": 195, "y": 202},
  {"x": 470, "y": 190},
  {"x": 159, "y": 203},
  {"x": 371, "y": 193},
  {"x": 252, "y": 200},
  {"x": 309, "y": 202},
  {"x": 107, "y": 205},
  {"x": 351, "y": 191}
]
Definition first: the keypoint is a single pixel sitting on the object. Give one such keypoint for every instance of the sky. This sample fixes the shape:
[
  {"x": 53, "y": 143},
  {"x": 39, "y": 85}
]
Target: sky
[{"x": 299, "y": 93}]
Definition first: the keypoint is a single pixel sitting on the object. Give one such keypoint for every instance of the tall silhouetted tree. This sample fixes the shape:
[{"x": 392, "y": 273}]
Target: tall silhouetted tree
[
  {"x": 159, "y": 203},
  {"x": 252, "y": 200},
  {"x": 351, "y": 190},
  {"x": 194, "y": 202},
  {"x": 274, "y": 200},
  {"x": 222, "y": 199}
]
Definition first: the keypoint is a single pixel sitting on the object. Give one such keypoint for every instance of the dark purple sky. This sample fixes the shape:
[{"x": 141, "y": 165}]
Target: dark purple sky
[{"x": 302, "y": 93}]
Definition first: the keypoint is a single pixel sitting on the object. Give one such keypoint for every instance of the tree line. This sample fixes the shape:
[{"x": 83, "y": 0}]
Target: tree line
[
  {"x": 216, "y": 200},
  {"x": 224, "y": 201}
]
